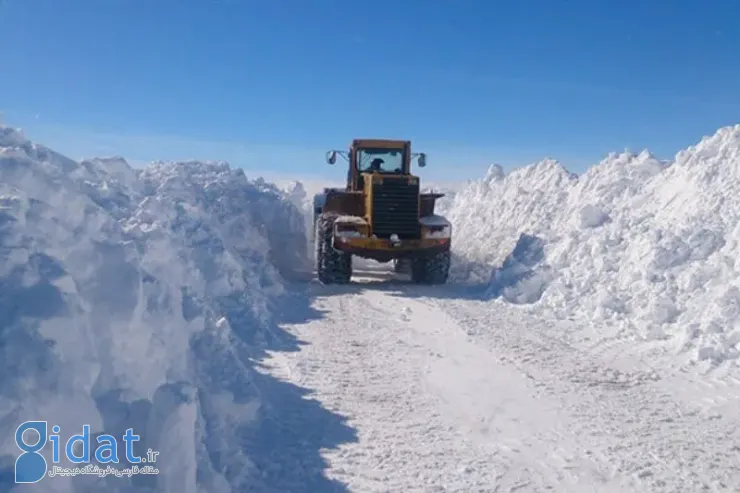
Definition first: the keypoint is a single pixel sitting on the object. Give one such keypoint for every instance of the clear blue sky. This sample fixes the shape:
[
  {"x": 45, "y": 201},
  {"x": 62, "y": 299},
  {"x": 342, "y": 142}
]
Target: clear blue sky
[{"x": 272, "y": 84}]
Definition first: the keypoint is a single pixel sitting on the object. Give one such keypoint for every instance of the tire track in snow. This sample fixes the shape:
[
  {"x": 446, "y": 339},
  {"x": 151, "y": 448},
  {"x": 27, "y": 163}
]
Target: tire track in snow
[
  {"x": 363, "y": 365},
  {"x": 433, "y": 411},
  {"x": 642, "y": 421},
  {"x": 513, "y": 414}
]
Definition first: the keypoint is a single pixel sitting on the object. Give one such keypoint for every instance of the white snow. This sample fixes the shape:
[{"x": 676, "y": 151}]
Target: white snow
[
  {"x": 462, "y": 389},
  {"x": 449, "y": 189},
  {"x": 451, "y": 393},
  {"x": 647, "y": 247},
  {"x": 161, "y": 299},
  {"x": 136, "y": 298}
]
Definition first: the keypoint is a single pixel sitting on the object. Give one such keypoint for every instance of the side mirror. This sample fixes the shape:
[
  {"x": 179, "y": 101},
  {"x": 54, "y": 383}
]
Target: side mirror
[
  {"x": 331, "y": 157},
  {"x": 422, "y": 160}
]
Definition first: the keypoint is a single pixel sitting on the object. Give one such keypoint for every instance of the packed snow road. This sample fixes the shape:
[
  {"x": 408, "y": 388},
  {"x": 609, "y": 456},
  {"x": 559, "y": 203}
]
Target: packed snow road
[{"x": 451, "y": 394}]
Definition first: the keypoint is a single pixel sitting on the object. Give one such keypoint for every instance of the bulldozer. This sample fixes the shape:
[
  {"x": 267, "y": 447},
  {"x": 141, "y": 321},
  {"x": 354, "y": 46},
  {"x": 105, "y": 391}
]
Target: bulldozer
[{"x": 381, "y": 215}]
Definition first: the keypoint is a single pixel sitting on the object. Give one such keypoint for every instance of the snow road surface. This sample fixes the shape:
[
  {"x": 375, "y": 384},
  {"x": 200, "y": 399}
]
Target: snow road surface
[{"x": 449, "y": 395}]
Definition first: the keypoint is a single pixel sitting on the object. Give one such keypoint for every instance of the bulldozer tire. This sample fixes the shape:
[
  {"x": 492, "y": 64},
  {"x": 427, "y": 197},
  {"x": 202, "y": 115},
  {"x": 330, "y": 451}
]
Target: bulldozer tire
[
  {"x": 332, "y": 267},
  {"x": 401, "y": 266},
  {"x": 431, "y": 269}
]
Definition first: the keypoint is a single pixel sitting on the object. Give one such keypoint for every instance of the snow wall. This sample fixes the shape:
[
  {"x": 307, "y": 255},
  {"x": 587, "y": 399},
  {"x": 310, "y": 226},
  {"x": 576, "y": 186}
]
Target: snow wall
[
  {"x": 647, "y": 246},
  {"x": 140, "y": 298}
]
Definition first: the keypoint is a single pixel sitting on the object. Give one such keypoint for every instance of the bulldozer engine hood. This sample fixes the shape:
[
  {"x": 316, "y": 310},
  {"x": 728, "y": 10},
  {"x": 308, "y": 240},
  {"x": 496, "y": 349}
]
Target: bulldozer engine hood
[{"x": 379, "y": 178}]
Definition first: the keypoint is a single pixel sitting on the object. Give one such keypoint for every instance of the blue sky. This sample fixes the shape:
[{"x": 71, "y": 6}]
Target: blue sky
[{"x": 272, "y": 84}]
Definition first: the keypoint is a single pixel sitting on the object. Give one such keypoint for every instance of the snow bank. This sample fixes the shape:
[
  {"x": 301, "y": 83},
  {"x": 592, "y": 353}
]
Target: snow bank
[
  {"x": 135, "y": 298},
  {"x": 443, "y": 204},
  {"x": 651, "y": 246}
]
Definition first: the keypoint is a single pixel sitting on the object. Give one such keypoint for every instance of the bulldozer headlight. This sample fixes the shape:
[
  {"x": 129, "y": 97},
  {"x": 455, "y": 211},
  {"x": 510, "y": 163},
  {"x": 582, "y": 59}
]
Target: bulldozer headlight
[
  {"x": 438, "y": 232},
  {"x": 350, "y": 230}
]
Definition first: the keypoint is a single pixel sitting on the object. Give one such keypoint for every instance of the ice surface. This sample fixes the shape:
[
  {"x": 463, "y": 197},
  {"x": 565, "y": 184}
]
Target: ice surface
[
  {"x": 647, "y": 245},
  {"x": 139, "y": 298}
]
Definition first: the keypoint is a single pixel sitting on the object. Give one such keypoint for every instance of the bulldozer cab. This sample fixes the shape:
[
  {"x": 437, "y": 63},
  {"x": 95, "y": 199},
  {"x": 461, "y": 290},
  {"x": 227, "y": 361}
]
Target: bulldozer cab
[
  {"x": 369, "y": 159},
  {"x": 389, "y": 157}
]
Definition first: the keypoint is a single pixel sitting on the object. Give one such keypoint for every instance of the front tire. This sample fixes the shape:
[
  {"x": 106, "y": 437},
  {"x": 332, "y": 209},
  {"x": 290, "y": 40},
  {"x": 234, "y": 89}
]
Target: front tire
[
  {"x": 332, "y": 267},
  {"x": 431, "y": 269},
  {"x": 401, "y": 266}
]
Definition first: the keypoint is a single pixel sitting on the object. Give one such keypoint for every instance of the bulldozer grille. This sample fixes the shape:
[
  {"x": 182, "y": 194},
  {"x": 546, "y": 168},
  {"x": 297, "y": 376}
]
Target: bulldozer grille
[{"x": 396, "y": 209}]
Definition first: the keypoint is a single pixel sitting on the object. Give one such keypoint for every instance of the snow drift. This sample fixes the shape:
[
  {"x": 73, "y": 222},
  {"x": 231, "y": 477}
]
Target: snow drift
[
  {"x": 137, "y": 298},
  {"x": 647, "y": 245}
]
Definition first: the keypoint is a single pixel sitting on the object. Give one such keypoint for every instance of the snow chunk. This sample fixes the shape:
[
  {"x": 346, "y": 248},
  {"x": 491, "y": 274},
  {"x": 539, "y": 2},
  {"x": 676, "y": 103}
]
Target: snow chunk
[
  {"x": 495, "y": 173},
  {"x": 593, "y": 217},
  {"x": 522, "y": 278}
]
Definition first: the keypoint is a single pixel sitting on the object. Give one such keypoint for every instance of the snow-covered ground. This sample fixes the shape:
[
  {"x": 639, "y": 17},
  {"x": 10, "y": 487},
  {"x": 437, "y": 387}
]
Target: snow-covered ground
[
  {"x": 559, "y": 358},
  {"x": 450, "y": 393}
]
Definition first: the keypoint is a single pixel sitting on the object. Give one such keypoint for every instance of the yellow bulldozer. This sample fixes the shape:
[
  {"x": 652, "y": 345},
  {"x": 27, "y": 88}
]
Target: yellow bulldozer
[{"x": 382, "y": 215}]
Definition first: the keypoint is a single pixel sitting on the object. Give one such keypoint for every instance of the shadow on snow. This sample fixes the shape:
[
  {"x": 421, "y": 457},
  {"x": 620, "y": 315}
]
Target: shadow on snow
[
  {"x": 259, "y": 433},
  {"x": 284, "y": 444}
]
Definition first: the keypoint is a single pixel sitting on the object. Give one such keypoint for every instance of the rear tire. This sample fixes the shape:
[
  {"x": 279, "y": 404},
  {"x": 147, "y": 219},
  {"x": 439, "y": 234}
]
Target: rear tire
[
  {"x": 332, "y": 267},
  {"x": 431, "y": 269}
]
